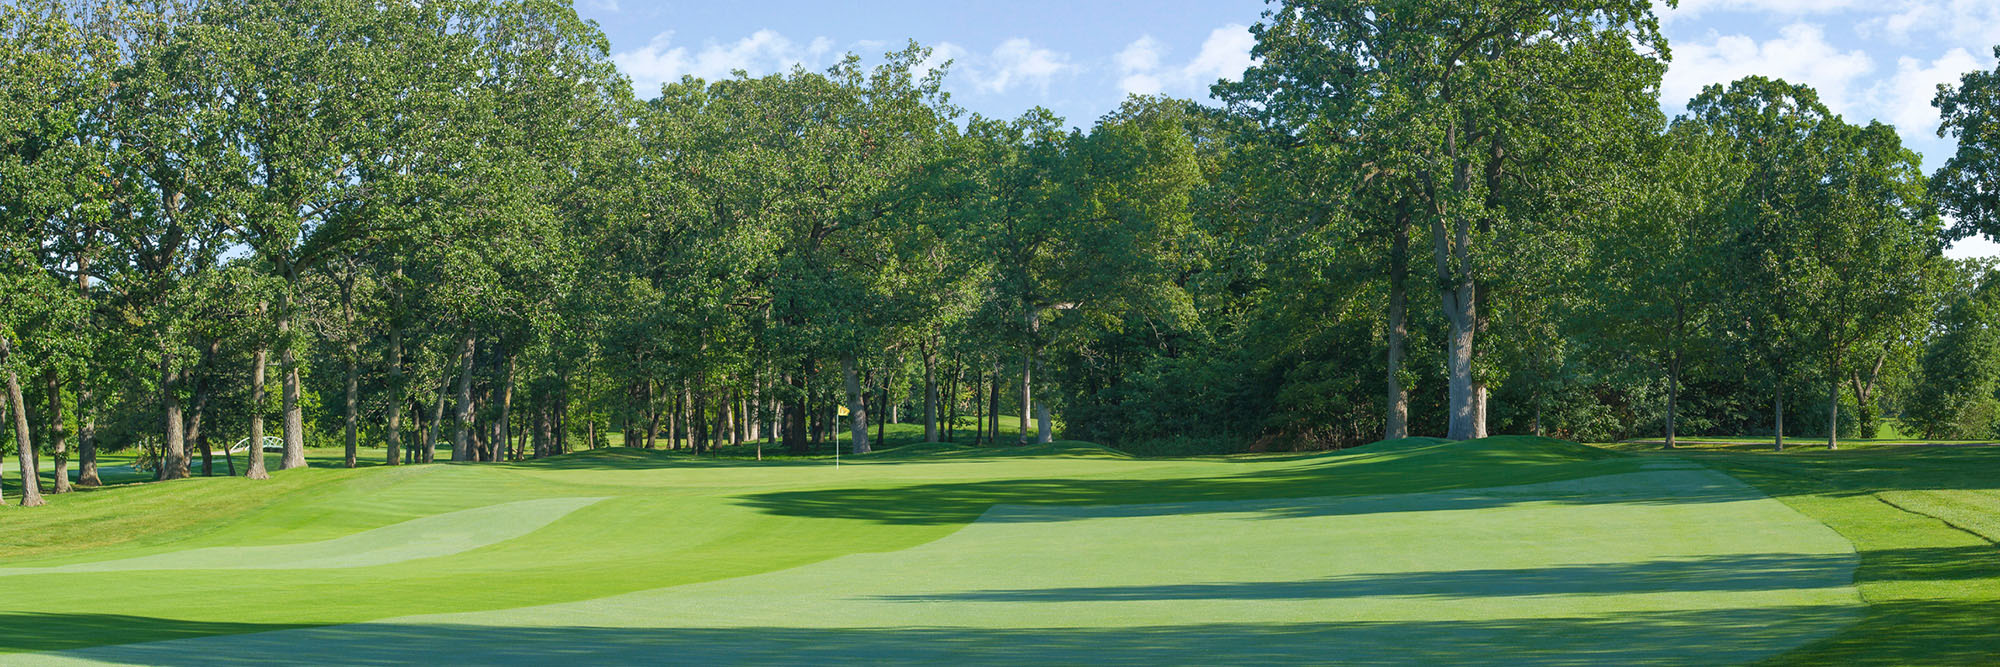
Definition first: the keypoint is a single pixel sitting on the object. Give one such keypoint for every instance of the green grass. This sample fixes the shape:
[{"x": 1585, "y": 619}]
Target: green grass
[
  {"x": 1922, "y": 520},
  {"x": 1502, "y": 550}
]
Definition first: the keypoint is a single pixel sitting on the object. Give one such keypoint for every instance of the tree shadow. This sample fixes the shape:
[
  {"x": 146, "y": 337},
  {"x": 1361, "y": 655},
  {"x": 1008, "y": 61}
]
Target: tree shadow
[
  {"x": 1747, "y": 572},
  {"x": 1706, "y": 636}
]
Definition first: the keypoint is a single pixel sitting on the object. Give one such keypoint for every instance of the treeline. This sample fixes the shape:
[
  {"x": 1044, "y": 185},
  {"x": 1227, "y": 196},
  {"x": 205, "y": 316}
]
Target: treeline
[{"x": 411, "y": 224}]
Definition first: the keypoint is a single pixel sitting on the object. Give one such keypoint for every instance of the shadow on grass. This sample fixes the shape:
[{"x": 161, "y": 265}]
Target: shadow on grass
[
  {"x": 1457, "y": 466},
  {"x": 1706, "y": 636},
  {"x": 1750, "y": 572}
]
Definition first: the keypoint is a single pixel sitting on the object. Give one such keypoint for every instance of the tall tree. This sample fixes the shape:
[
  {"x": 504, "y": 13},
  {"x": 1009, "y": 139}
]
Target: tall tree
[{"x": 1463, "y": 98}]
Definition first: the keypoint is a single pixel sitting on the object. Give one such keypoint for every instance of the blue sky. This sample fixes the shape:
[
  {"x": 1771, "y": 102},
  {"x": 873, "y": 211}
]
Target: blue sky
[{"x": 1870, "y": 59}]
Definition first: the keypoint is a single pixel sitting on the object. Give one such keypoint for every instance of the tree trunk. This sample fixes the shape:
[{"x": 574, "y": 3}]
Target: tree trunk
[
  {"x": 794, "y": 432},
  {"x": 288, "y": 368},
  {"x": 882, "y": 425},
  {"x": 254, "y": 467},
  {"x": 1673, "y": 395},
  {"x": 201, "y": 442},
  {"x": 1397, "y": 423},
  {"x": 86, "y": 408},
  {"x": 436, "y": 421},
  {"x": 173, "y": 462},
  {"x": 857, "y": 405},
  {"x": 653, "y": 412},
  {"x": 58, "y": 434},
  {"x": 930, "y": 396},
  {"x": 86, "y": 434},
  {"x": 31, "y": 480},
  {"x": 505, "y": 434},
  {"x": 542, "y": 428},
  {"x": 1027, "y": 392},
  {"x": 1457, "y": 297},
  {"x": 993, "y": 409},
  {"x": 460, "y": 435},
  {"x": 951, "y": 405},
  {"x": 351, "y": 405},
  {"x": 397, "y": 393},
  {"x": 1778, "y": 426},
  {"x": 1833, "y": 403},
  {"x": 1044, "y": 427}
]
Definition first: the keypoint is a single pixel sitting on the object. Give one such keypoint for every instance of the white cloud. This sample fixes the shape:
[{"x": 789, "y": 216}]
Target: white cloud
[
  {"x": 762, "y": 52},
  {"x": 1969, "y": 23},
  {"x": 1690, "y": 9},
  {"x": 1800, "y": 54},
  {"x": 1904, "y": 99},
  {"x": 1016, "y": 62},
  {"x": 1224, "y": 55}
]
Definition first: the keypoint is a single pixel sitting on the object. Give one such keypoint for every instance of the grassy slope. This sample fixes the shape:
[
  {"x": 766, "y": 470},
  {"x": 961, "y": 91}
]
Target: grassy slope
[
  {"x": 1612, "y": 568},
  {"x": 1915, "y": 515},
  {"x": 669, "y": 519},
  {"x": 1922, "y": 519}
]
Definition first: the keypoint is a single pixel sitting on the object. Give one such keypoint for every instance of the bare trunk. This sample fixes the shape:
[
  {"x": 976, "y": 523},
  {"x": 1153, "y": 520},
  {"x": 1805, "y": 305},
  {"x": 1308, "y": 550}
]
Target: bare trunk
[
  {"x": 436, "y": 421},
  {"x": 1833, "y": 403},
  {"x": 795, "y": 415},
  {"x": 1673, "y": 395},
  {"x": 254, "y": 468},
  {"x": 57, "y": 431},
  {"x": 86, "y": 434},
  {"x": 930, "y": 397},
  {"x": 1397, "y": 423},
  {"x": 505, "y": 433},
  {"x": 1027, "y": 393},
  {"x": 460, "y": 436},
  {"x": 31, "y": 481},
  {"x": 857, "y": 405},
  {"x": 173, "y": 461},
  {"x": 951, "y": 403},
  {"x": 351, "y": 406},
  {"x": 397, "y": 394},
  {"x": 542, "y": 434},
  {"x": 1478, "y": 410},
  {"x": 288, "y": 368},
  {"x": 1778, "y": 426},
  {"x": 993, "y": 409},
  {"x": 86, "y": 408}
]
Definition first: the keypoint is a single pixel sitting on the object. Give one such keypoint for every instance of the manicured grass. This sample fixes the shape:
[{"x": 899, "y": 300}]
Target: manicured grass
[
  {"x": 1503, "y": 550},
  {"x": 1922, "y": 520}
]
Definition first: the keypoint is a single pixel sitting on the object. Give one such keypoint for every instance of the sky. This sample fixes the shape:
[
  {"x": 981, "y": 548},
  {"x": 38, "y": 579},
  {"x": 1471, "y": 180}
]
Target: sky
[{"x": 1869, "y": 59}]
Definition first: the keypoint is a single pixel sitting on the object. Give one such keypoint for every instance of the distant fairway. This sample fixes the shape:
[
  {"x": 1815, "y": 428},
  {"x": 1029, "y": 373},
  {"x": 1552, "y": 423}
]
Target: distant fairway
[{"x": 1502, "y": 551}]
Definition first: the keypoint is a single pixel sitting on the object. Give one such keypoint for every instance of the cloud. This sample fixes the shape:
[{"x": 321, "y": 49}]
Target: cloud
[
  {"x": 1690, "y": 9},
  {"x": 763, "y": 52},
  {"x": 1224, "y": 55},
  {"x": 1904, "y": 99},
  {"x": 1960, "y": 22},
  {"x": 1018, "y": 62},
  {"x": 1799, "y": 54}
]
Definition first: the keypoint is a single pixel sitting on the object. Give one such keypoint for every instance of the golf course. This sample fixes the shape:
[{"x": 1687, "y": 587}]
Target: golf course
[{"x": 1504, "y": 550}]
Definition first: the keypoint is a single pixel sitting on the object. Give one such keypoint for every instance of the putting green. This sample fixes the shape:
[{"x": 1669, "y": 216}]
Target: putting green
[{"x": 1094, "y": 559}]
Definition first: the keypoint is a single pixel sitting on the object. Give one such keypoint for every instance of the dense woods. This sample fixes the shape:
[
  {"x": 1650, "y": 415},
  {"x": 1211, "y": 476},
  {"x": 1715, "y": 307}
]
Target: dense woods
[{"x": 411, "y": 227}]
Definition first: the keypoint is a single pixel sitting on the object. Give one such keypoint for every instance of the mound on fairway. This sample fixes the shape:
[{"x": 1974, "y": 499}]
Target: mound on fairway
[{"x": 1503, "y": 550}]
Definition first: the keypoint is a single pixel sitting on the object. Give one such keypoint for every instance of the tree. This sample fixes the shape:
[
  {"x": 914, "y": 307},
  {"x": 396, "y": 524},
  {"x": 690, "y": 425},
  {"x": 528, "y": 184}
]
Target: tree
[
  {"x": 1965, "y": 187},
  {"x": 1659, "y": 268},
  {"x": 1464, "y": 99}
]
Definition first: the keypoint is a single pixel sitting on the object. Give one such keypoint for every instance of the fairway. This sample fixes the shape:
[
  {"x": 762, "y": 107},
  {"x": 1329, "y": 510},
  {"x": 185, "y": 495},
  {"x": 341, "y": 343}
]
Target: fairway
[{"x": 1502, "y": 551}]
